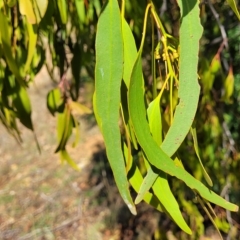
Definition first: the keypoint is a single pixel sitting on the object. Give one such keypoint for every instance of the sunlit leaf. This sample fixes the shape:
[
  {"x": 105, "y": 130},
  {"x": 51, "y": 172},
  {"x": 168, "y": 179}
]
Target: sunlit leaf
[
  {"x": 54, "y": 100},
  {"x": 64, "y": 128},
  {"x": 195, "y": 143},
  {"x": 80, "y": 6},
  {"x": 33, "y": 9},
  {"x": 62, "y": 7},
  {"x": 233, "y": 5},
  {"x": 79, "y": 108},
  {"x": 6, "y": 43},
  {"x": 108, "y": 76},
  {"x": 189, "y": 89},
  {"x": 65, "y": 156},
  {"x": 153, "y": 152},
  {"x": 32, "y": 41},
  {"x": 229, "y": 85}
]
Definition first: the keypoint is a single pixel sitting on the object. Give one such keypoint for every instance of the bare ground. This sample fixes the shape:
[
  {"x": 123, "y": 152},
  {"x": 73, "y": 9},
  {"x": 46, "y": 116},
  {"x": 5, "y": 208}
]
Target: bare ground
[{"x": 39, "y": 197}]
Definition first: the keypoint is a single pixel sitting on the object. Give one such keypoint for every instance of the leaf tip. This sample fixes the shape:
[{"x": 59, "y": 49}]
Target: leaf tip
[{"x": 132, "y": 208}]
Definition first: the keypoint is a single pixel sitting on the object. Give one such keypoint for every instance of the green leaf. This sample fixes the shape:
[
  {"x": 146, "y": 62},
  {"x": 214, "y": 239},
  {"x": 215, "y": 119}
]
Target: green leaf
[
  {"x": 129, "y": 50},
  {"x": 32, "y": 41},
  {"x": 6, "y": 43},
  {"x": 64, "y": 128},
  {"x": 189, "y": 89},
  {"x": 22, "y": 103},
  {"x": 97, "y": 6},
  {"x": 80, "y": 6},
  {"x": 233, "y": 5},
  {"x": 33, "y": 9},
  {"x": 155, "y": 124},
  {"x": 155, "y": 119},
  {"x": 135, "y": 179},
  {"x": 62, "y": 7},
  {"x": 108, "y": 76},
  {"x": 54, "y": 100},
  {"x": 153, "y": 152},
  {"x": 158, "y": 181},
  {"x": 209, "y": 215},
  {"x": 229, "y": 85},
  {"x": 77, "y": 131},
  {"x": 11, "y": 3},
  {"x": 129, "y": 56},
  {"x": 163, "y": 192},
  {"x": 195, "y": 142},
  {"x": 65, "y": 156}
]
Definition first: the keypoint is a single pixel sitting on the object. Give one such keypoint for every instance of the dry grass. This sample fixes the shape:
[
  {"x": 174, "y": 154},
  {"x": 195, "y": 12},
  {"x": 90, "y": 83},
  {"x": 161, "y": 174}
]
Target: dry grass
[{"x": 39, "y": 197}]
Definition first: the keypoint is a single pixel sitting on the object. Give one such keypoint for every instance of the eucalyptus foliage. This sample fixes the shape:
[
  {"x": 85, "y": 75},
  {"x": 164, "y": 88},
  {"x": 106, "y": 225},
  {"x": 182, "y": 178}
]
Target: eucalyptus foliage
[{"x": 155, "y": 117}]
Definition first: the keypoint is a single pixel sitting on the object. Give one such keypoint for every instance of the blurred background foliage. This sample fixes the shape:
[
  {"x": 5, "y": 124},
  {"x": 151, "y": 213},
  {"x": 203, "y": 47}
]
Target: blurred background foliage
[{"x": 63, "y": 41}]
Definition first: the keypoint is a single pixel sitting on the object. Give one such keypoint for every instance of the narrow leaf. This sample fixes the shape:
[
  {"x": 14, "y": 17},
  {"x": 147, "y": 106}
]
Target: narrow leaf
[
  {"x": 65, "y": 156},
  {"x": 135, "y": 178},
  {"x": 108, "y": 76},
  {"x": 6, "y": 43},
  {"x": 160, "y": 185},
  {"x": 33, "y": 9},
  {"x": 62, "y": 7},
  {"x": 64, "y": 128},
  {"x": 195, "y": 142},
  {"x": 233, "y": 5},
  {"x": 32, "y": 41},
  {"x": 79, "y": 108},
  {"x": 189, "y": 90},
  {"x": 154, "y": 154}
]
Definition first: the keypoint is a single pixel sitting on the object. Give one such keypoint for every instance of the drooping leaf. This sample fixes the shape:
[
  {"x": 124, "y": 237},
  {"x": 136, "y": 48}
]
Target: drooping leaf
[
  {"x": 136, "y": 178},
  {"x": 129, "y": 56},
  {"x": 80, "y": 6},
  {"x": 6, "y": 43},
  {"x": 79, "y": 108},
  {"x": 160, "y": 184},
  {"x": 233, "y": 5},
  {"x": 62, "y": 7},
  {"x": 97, "y": 6},
  {"x": 22, "y": 103},
  {"x": 54, "y": 100},
  {"x": 189, "y": 88},
  {"x": 155, "y": 125},
  {"x": 202, "y": 203},
  {"x": 64, "y": 127},
  {"x": 108, "y": 76},
  {"x": 195, "y": 143},
  {"x": 153, "y": 152},
  {"x": 32, "y": 41},
  {"x": 33, "y": 9},
  {"x": 65, "y": 156},
  {"x": 228, "y": 85},
  {"x": 77, "y": 132},
  {"x": 129, "y": 51}
]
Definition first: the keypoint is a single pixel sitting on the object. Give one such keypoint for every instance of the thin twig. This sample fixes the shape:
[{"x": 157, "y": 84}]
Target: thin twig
[{"x": 221, "y": 27}]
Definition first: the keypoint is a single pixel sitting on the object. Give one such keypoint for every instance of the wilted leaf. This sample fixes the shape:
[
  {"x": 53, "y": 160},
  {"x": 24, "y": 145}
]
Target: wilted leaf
[{"x": 79, "y": 108}]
